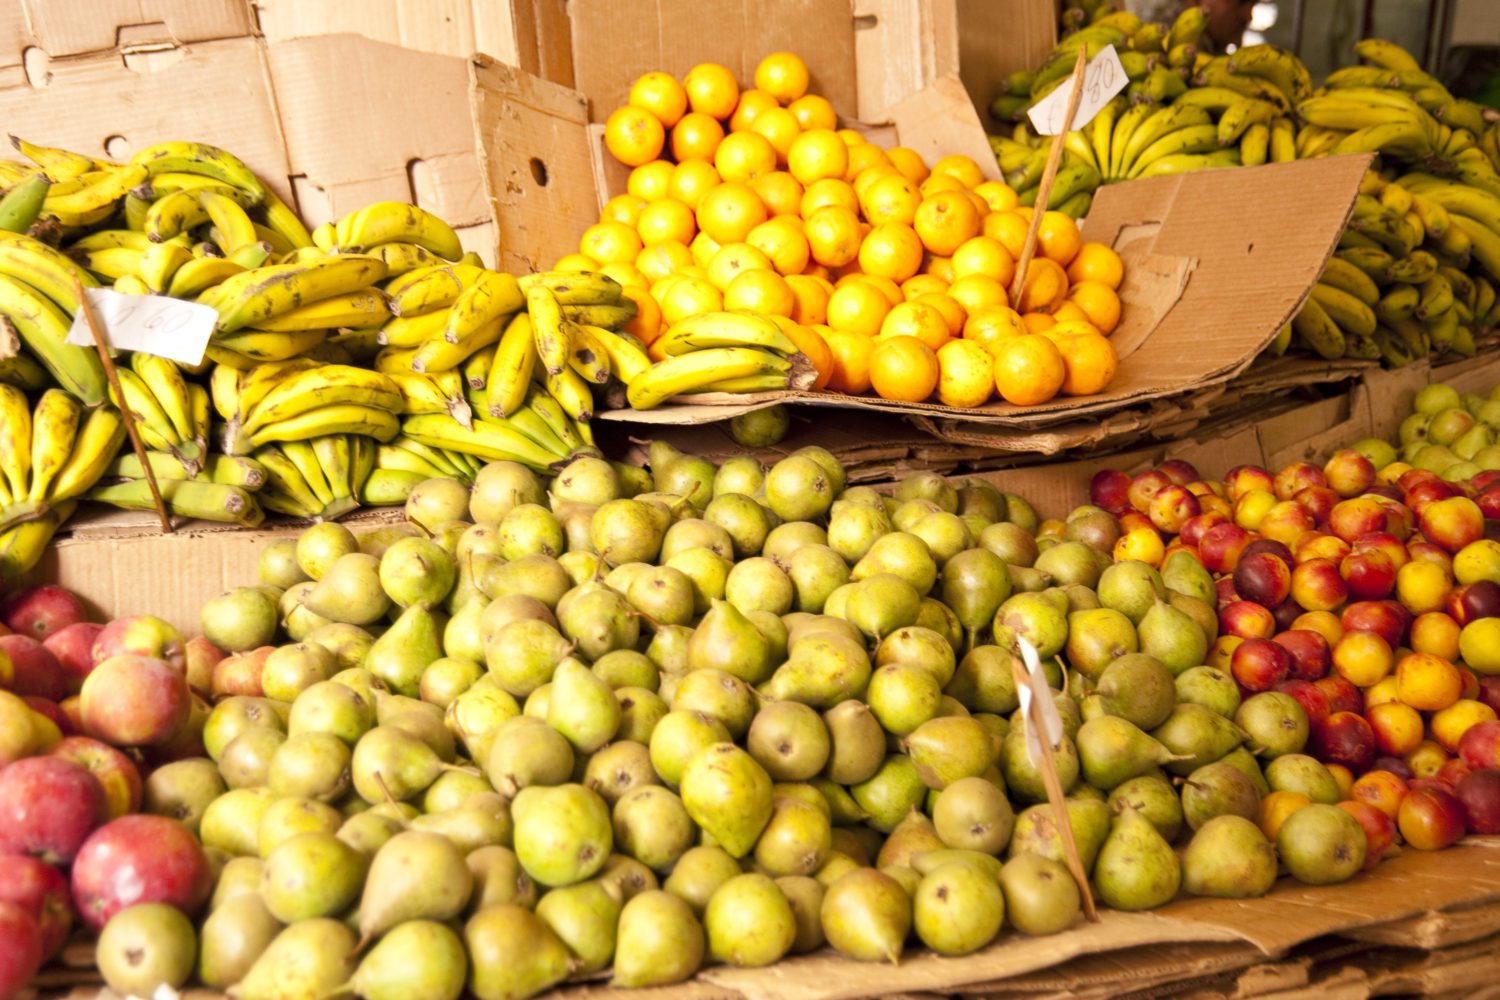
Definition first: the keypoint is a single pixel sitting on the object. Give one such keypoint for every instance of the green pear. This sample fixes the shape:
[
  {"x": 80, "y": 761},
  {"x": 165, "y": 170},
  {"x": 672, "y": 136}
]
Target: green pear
[
  {"x": 1229, "y": 857},
  {"x": 232, "y": 937},
  {"x": 797, "y": 838},
  {"x": 584, "y": 917},
  {"x": 824, "y": 670},
  {"x": 749, "y": 922},
  {"x": 1154, "y": 798},
  {"x": 417, "y": 960},
  {"x": 1136, "y": 869},
  {"x": 404, "y": 651},
  {"x": 310, "y": 960},
  {"x": 311, "y": 875},
  {"x": 726, "y": 640},
  {"x": 414, "y": 876},
  {"x": 659, "y": 941},
  {"x": 1186, "y": 575},
  {"x": 1113, "y": 750},
  {"x": 513, "y": 954},
  {"x": 562, "y": 834},
  {"x": 973, "y": 814},
  {"x": 958, "y": 908},
  {"x": 866, "y": 916},
  {"x": 1196, "y": 736},
  {"x": 729, "y": 795},
  {"x": 1170, "y": 636},
  {"x": 1036, "y": 830},
  {"x": 948, "y": 749},
  {"x": 349, "y": 591},
  {"x": 582, "y": 708},
  {"x": 1041, "y": 896}
]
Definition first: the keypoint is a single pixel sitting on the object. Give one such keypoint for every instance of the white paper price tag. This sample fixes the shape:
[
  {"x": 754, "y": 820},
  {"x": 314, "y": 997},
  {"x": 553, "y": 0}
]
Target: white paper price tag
[
  {"x": 155, "y": 324},
  {"x": 1035, "y": 690},
  {"x": 1103, "y": 78}
]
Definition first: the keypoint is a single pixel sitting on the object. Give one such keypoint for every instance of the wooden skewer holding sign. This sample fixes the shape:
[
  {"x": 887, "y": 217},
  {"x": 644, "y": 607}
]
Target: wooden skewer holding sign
[
  {"x": 102, "y": 346},
  {"x": 1049, "y": 174},
  {"x": 1055, "y": 797}
]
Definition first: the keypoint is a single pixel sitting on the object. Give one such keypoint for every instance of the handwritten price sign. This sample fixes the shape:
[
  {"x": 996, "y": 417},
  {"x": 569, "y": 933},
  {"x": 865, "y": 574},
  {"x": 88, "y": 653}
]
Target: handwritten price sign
[
  {"x": 1103, "y": 78},
  {"x": 155, "y": 324}
]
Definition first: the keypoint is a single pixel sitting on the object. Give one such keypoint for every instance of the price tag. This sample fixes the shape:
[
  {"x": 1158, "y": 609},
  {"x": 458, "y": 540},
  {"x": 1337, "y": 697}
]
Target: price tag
[
  {"x": 1103, "y": 78},
  {"x": 1035, "y": 690},
  {"x": 154, "y": 324}
]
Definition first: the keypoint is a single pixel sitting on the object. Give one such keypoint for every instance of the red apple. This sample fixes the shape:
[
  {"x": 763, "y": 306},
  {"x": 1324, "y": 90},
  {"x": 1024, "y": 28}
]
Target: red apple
[
  {"x": 69, "y": 708},
  {"x": 1145, "y": 486},
  {"x": 1263, "y": 578},
  {"x": 1430, "y": 818},
  {"x": 73, "y": 647},
  {"x": 1172, "y": 507},
  {"x": 1380, "y": 831},
  {"x": 1287, "y": 521},
  {"x": 239, "y": 674},
  {"x": 1311, "y": 697},
  {"x": 21, "y": 950},
  {"x": 1349, "y": 473},
  {"x": 1297, "y": 476},
  {"x": 1286, "y": 614},
  {"x": 1399, "y": 519},
  {"x": 1317, "y": 585},
  {"x": 1485, "y": 479},
  {"x": 1110, "y": 489},
  {"x": 1193, "y": 531},
  {"x": 1454, "y": 770},
  {"x": 1451, "y": 523},
  {"x": 1489, "y": 504},
  {"x": 1221, "y": 546},
  {"x": 1247, "y": 620},
  {"x": 1472, "y": 601},
  {"x": 34, "y": 669},
  {"x": 1244, "y": 479},
  {"x": 1318, "y": 501},
  {"x": 1260, "y": 664},
  {"x": 201, "y": 657},
  {"x": 1421, "y": 550},
  {"x": 48, "y": 807},
  {"x": 142, "y": 635},
  {"x": 1342, "y": 696},
  {"x": 1384, "y": 542},
  {"x": 1480, "y": 745},
  {"x": 39, "y": 611},
  {"x": 1384, "y": 491},
  {"x": 139, "y": 859},
  {"x": 42, "y": 891},
  {"x": 1224, "y": 591},
  {"x": 1385, "y": 618},
  {"x": 1368, "y": 574},
  {"x": 1310, "y": 654},
  {"x": 134, "y": 701},
  {"x": 189, "y": 739},
  {"x": 117, "y": 773},
  {"x": 1281, "y": 550},
  {"x": 1356, "y": 516},
  {"x": 1479, "y": 792},
  {"x": 1344, "y": 738},
  {"x": 49, "y": 708}
]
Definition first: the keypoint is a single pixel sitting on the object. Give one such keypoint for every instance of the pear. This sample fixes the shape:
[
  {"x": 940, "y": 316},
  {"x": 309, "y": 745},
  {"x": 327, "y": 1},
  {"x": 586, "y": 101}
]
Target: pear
[
  {"x": 975, "y": 584},
  {"x": 1210, "y": 687},
  {"x": 866, "y": 916},
  {"x": 389, "y": 763},
  {"x": 598, "y": 619},
  {"x": 893, "y": 791},
  {"x": 1036, "y": 830},
  {"x": 230, "y": 821},
  {"x": 310, "y": 960},
  {"x": 1296, "y": 772},
  {"x": 146, "y": 947},
  {"x": 1218, "y": 789},
  {"x": 416, "y": 572},
  {"x": 742, "y": 474},
  {"x": 749, "y": 922},
  {"x": 311, "y": 875},
  {"x": 584, "y": 918},
  {"x": 1136, "y": 869},
  {"x": 285, "y": 818},
  {"x": 853, "y": 529},
  {"x": 1132, "y": 588},
  {"x": 448, "y": 677},
  {"x": 696, "y": 533},
  {"x": 310, "y": 766},
  {"x": 498, "y": 878},
  {"x": 903, "y": 697},
  {"x": 716, "y": 694},
  {"x": 785, "y": 539},
  {"x": 1274, "y": 723},
  {"x": 958, "y": 908},
  {"x": 881, "y": 603},
  {"x": 1154, "y": 798},
  {"x": 1113, "y": 750},
  {"x": 1186, "y": 575},
  {"x": 582, "y": 707},
  {"x": 237, "y": 877},
  {"x": 1036, "y": 618},
  {"x": 973, "y": 814},
  {"x": 659, "y": 941},
  {"x": 420, "y": 960},
  {"x": 640, "y": 711},
  {"x": 320, "y": 546},
  {"x": 758, "y": 584},
  {"x": 367, "y": 832},
  {"x": 949, "y": 748},
  {"x": 1197, "y": 737},
  {"x": 562, "y": 834},
  {"x": 618, "y": 768},
  {"x": 1321, "y": 844},
  {"x": 349, "y": 591},
  {"x": 246, "y": 761},
  {"x": 624, "y": 531},
  {"x": 678, "y": 737},
  {"x": 414, "y": 876},
  {"x": 292, "y": 669},
  {"x": 1139, "y": 688},
  {"x": 799, "y": 489},
  {"x": 913, "y": 837},
  {"x": 232, "y": 938},
  {"x": 856, "y": 742},
  {"x": 539, "y": 576},
  {"x": 729, "y": 795},
  {"x": 1204, "y": 613},
  {"x": 477, "y": 715},
  {"x": 348, "y": 643},
  {"x": 480, "y": 822},
  {"x": 663, "y": 594},
  {"x": 627, "y": 668},
  {"x": 1096, "y": 638},
  {"x": 522, "y": 655},
  {"x": 403, "y": 652},
  {"x": 789, "y": 740},
  {"x": 452, "y": 789},
  {"x": 815, "y": 571},
  {"x": 653, "y": 826},
  {"x": 699, "y": 873},
  {"x": 687, "y": 476},
  {"x": 726, "y": 640},
  {"x": 1041, "y": 896},
  {"x": 668, "y": 649},
  {"x": 1229, "y": 857},
  {"x": 513, "y": 954},
  {"x": 982, "y": 681},
  {"x": 805, "y": 896},
  {"x": 796, "y": 840},
  {"x": 585, "y": 479},
  {"x": 1023, "y": 778},
  {"x": 746, "y": 520},
  {"x": 1172, "y": 637},
  {"x": 628, "y": 876},
  {"x": 825, "y": 669}
]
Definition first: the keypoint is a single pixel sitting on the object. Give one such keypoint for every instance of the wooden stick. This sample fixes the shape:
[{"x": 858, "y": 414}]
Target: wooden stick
[
  {"x": 102, "y": 346},
  {"x": 1049, "y": 174},
  {"x": 1055, "y": 796}
]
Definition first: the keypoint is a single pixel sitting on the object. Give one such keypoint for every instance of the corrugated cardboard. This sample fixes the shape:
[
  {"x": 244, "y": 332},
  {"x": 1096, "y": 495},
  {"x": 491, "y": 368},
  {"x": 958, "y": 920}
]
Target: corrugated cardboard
[
  {"x": 445, "y": 27},
  {"x": 64, "y": 28}
]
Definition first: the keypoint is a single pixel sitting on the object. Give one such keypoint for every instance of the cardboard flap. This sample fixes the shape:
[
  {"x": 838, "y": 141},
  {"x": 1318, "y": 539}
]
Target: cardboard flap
[
  {"x": 1153, "y": 283},
  {"x": 939, "y": 120},
  {"x": 359, "y": 130},
  {"x": 535, "y": 163},
  {"x": 64, "y": 28},
  {"x": 446, "y": 27}
]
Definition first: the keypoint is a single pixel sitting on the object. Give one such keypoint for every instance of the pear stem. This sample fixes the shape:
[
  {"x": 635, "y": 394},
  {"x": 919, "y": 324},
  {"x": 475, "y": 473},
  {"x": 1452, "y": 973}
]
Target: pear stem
[{"x": 384, "y": 788}]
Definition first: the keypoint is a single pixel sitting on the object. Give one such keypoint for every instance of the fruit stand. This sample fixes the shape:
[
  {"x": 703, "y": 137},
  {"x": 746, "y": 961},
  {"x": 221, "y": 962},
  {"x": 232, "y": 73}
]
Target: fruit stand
[{"x": 743, "y": 501}]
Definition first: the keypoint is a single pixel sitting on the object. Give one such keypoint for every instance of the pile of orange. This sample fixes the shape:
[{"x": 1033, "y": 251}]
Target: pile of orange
[{"x": 893, "y": 276}]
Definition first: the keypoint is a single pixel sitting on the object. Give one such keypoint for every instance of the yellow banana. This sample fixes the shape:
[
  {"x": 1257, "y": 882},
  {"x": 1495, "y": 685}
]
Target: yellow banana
[
  {"x": 439, "y": 354},
  {"x": 159, "y": 263},
  {"x": 112, "y": 263},
  {"x": 490, "y": 439},
  {"x": 95, "y": 445},
  {"x": 302, "y": 455},
  {"x": 1343, "y": 275},
  {"x": 1318, "y": 331},
  {"x": 689, "y": 372},
  {"x": 250, "y": 298},
  {"x": 365, "y": 307},
  {"x": 79, "y": 207},
  {"x": 427, "y": 289},
  {"x": 575, "y": 288},
  {"x": 264, "y": 345},
  {"x": 59, "y": 164},
  {"x": 45, "y": 270},
  {"x": 559, "y": 424},
  {"x": 174, "y": 214},
  {"x": 44, "y": 328},
  {"x": 185, "y": 498},
  {"x": 201, "y": 158},
  {"x": 319, "y": 387},
  {"x": 22, "y": 546},
  {"x": 340, "y": 418},
  {"x": 15, "y": 441},
  {"x": 234, "y": 226},
  {"x": 389, "y": 487},
  {"x": 282, "y": 220},
  {"x": 1352, "y": 315},
  {"x": 726, "y": 329},
  {"x": 589, "y": 358},
  {"x": 199, "y": 274},
  {"x": 163, "y": 379},
  {"x": 492, "y": 296},
  {"x": 510, "y": 372},
  {"x": 626, "y": 357},
  {"x": 396, "y": 222},
  {"x": 54, "y": 425}
]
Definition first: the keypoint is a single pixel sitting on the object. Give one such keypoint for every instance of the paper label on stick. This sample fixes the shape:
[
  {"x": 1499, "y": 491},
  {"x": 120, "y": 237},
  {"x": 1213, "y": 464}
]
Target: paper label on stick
[
  {"x": 1035, "y": 690},
  {"x": 1103, "y": 78},
  {"x": 154, "y": 324}
]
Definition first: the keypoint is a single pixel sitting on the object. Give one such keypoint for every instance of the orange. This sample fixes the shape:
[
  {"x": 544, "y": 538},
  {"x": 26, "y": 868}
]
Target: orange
[
  {"x": 691, "y": 180},
  {"x": 1097, "y": 262},
  {"x": 780, "y": 191},
  {"x": 823, "y": 274},
  {"x": 891, "y": 198},
  {"x": 1092, "y": 363},
  {"x": 625, "y": 208},
  {"x": 999, "y": 197},
  {"x": 752, "y": 103},
  {"x": 711, "y": 89},
  {"x": 947, "y": 306},
  {"x": 743, "y": 155},
  {"x": 689, "y": 297},
  {"x": 1038, "y": 322},
  {"x": 782, "y": 241},
  {"x": 660, "y": 94},
  {"x": 940, "y": 268},
  {"x": 695, "y": 137},
  {"x": 812, "y": 111},
  {"x": 810, "y": 343},
  {"x": 891, "y": 251},
  {"x": 1067, "y": 311},
  {"x": 852, "y": 137},
  {"x": 858, "y": 307},
  {"x": 866, "y": 178},
  {"x": 816, "y": 154},
  {"x": 608, "y": 242},
  {"x": 576, "y": 262},
  {"x": 903, "y": 369},
  {"x": 633, "y": 135},
  {"x": 827, "y": 192},
  {"x": 1028, "y": 370},
  {"x": 734, "y": 259},
  {"x": 851, "y": 359},
  {"x": 1009, "y": 228},
  {"x": 922, "y": 284},
  {"x": 730, "y": 211},
  {"x": 976, "y": 291},
  {"x": 1057, "y": 238},
  {"x": 986, "y": 256},
  {"x": 1099, "y": 302},
  {"x": 980, "y": 205},
  {"x": 761, "y": 291},
  {"x": 863, "y": 156},
  {"x": 780, "y": 128},
  {"x": 783, "y": 75},
  {"x": 703, "y": 248},
  {"x": 668, "y": 219},
  {"x": 946, "y": 221},
  {"x": 888, "y": 288},
  {"x": 833, "y": 235},
  {"x": 812, "y": 299},
  {"x": 625, "y": 274},
  {"x": 992, "y": 324},
  {"x": 915, "y": 319},
  {"x": 961, "y": 168},
  {"x": 909, "y": 162},
  {"x": 658, "y": 260},
  {"x": 966, "y": 374},
  {"x": 650, "y": 181},
  {"x": 938, "y": 183},
  {"x": 1046, "y": 285},
  {"x": 1064, "y": 328},
  {"x": 646, "y": 324}
]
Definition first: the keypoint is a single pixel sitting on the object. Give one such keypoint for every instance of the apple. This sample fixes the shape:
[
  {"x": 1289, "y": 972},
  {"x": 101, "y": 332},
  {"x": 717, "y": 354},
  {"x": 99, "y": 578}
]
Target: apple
[
  {"x": 1451, "y": 523},
  {"x": 239, "y": 673},
  {"x": 1380, "y": 831},
  {"x": 1489, "y": 691},
  {"x": 1472, "y": 601},
  {"x": 1386, "y": 619},
  {"x": 1287, "y": 521},
  {"x": 1251, "y": 509},
  {"x": 48, "y": 808},
  {"x": 1221, "y": 546},
  {"x": 1264, "y": 578},
  {"x": 1247, "y": 620},
  {"x": 1453, "y": 771},
  {"x": 139, "y": 859},
  {"x": 1430, "y": 818},
  {"x": 1310, "y": 653},
  {"x": 116, "y": 773},
  {"x": 1480, "y": 745},
  {"x": 1297, "y": 476},
  {"x": 1344, "y": 738},
  {"x": 40, "y": 611},
  {"x": 1369, "y": 574},
  {"x": 43, "y": 892},
  {"x": 1318, "y": 501},
  {"x": 1317, "y": 585},
  {"x": 132, "y": 700},
  {"x": 1316, "y": 545},
  {"x": 1145, "y": 486},
  {"x": 1422, "y": 550},
  {"x": 1193, "y": 531},
  {"x": 189, "y": 739},
  {"x": 1381, "y": 787},
  {"x": 1286, "y": 614},
  {"x": 1349, "y": 473},
  {"x": 21, "y": 950},
  {"x": 1342, "y": 696},
  {"x": 1356, "y": 516},
  {"x": 1489, "y": 503},
  {"x": 33, "y": 669},
  {"x": 1479, "y": 792},
  {"x": 201, "y": 656},
  {"x": 1244, "y": 479},
  {"x": 1110, "y": 490},
  {"x": 1260, "y": 664},
  {"x": 1179, "y": 471},
  {"x": 142, "y": 635},
  {"x": 73, "y": 647},
  {"x": 1172, "y": 507}
]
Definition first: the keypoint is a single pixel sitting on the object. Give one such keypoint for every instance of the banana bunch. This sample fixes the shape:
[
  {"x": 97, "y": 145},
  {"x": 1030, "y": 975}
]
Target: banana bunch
[
  {"x": 720, "y": 352},
  {"x": 539, "y": 435},
  {"x": 38, "y": 297},
  {"x": 300, "y": 399},
  {"x": 404, "y": 463},
  {"x": 320, "y": 478},
  {"x": 49, "y": 456}
]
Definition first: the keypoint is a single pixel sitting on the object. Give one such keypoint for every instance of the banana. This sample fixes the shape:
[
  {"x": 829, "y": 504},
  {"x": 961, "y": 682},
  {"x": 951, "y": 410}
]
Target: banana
[
  {"x": 490, "y": 439},
  {"x": 256, "y": 254},
  {"x": 414, "y": 331},
  {"x": 1351, "y": 315},
  {"x": 402, "y": 258},
  {"x": 626, "y": 357},
  {"x": 169, "y": 182},
  {"x": 561, "y": 426},
  {"x": 23, "y": 203},
  {"x": 575, "y": 288},
  {"x": 365, "y": 307},
  {"x": 44, "y": 269},
  {"x": 1238, "y": 117},
  {"x": 389, "y": 487},
  {"x": 572, "y": 394},
  {"x": 1343, "y": 275},
  {"x": 689, "y": 372},
  {"x": 1098, "y": 134},
  {"x": 1162, "y": 84},
  {"x": 492, "y": 297},
  {"x": 1436, "y": 297},
  {"x": 1362, "y": 76},
  {"x": 1183, "y": 163},
  {"x": 199, "y": 274},
  {"x": 396, "y": 222},
  {"x": 15, "y": 441},
  {"x": 163, "y": 379},
  {"x": 1191, "y": 139},
  {"x": 530, "y": 423},
  {"x": 749, "y": 384},
  {"x": 131, "y": 284},
  {"x": 22, "y": 372},
  {"x": 280, "y": 219},
  {"x": 151, "y": 421},
  {"x": 1350, "y": 110},
  {"x": 1394, "y": 351},
  {"x": 1283, "y": 339},
  {"x": 201, "y": 158},
  {"x": 1155, "y": 126},
  {"x": 111, "y": 263},
  {"x": 339, "y": 418},
  {"x": 726, "y": 329},
  {"x": 285, "y": 478},
  {"x": 425, "y": 290},
  {"x": 58, "y": 164},
  {"x": 95, "y": 445},
  {"x": 185, "y": 498},
  {"x": 609, "y": 317},
  {"x": 1465, "y": 291},
  {"x": 1456, "y": 198},
  {"x": 444, "y": 462},
  {"x": 302, "y": 455},
  {"x": 1186, "y": 28},
  {"x": 589, "y": 358},
  {"x": 321, "y": 387},
  {"x": 1318, "y": 331},
  {"x": 397, "y": 459},
  {"x": 174, "y": 214},
  {"x": 264, "y": 345},
  {"x": 1276, "y": 66},
  {"x": 1398, "y": 303},
  {"x": 82, "y": 207},
  {"x": 1255, "y": 145},
  {"x": 234, "y": 227},
  {"x": 1385, "y": 54},
  {"x": 1415, "y": 268},
  {"x": 440, "y": 355},
  {"x": 255, "y": 296},
  {"x": 22, "y": 546},
  {"x": 1396, "y": 198},
  {"x": 423, "y": 394},
  {"x": 1434, "y": 216},
  {"x": 475, "y": 372},
  {"x": 1484, "y": 298},
  {"x": 44, "y": 328},
  {"x": 159, "y": 262},
  {"x": 510, "y": 372},
  {"x": 1207, "y": 98},
  {"x": 361, "y": 460},
  {"x": 1405, "y": 138}
]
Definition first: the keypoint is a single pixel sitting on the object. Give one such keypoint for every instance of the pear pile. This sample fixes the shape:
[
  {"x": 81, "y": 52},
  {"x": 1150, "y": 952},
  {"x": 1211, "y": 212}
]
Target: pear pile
[{"x": 644, "y": 721}]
